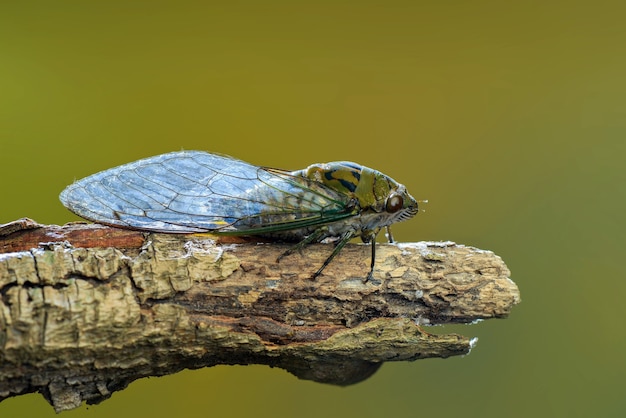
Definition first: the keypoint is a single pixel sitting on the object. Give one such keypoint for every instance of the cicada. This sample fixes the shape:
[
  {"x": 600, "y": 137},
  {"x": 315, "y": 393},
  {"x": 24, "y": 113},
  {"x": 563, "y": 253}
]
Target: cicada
[{"x": 195, "y": 191}]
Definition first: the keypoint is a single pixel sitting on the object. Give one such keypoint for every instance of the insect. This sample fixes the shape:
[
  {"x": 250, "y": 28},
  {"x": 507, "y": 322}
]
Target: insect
[{"x": 195, "y": 191}]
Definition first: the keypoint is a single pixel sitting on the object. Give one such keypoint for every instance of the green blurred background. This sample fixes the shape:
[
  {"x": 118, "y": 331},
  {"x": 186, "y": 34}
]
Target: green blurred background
[{"x": 509, "y": 117}]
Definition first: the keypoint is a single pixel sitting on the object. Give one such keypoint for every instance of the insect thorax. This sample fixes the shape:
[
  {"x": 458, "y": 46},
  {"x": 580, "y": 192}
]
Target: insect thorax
[{"x": 369, "y": 187}]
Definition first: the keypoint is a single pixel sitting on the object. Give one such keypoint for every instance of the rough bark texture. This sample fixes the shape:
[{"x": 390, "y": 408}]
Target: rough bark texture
[{"x": 86, "y": 309}]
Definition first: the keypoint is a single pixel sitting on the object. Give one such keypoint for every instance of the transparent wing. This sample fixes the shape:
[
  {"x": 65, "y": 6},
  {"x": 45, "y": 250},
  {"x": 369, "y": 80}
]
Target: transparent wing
[{"x": 194, "y": 191}]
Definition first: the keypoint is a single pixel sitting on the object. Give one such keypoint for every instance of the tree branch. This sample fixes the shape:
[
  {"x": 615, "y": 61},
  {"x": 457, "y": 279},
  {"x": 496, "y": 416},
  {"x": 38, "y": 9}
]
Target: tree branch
[{"x": 86, "y": 309}]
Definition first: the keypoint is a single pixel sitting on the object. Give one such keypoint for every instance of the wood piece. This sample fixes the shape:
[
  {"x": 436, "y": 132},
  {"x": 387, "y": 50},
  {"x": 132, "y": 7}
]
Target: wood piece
[{"x": 93, "y": 308}]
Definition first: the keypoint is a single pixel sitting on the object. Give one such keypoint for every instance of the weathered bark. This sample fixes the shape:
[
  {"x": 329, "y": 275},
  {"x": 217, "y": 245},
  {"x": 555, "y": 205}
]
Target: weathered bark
[{"x": 86, "y": 309}]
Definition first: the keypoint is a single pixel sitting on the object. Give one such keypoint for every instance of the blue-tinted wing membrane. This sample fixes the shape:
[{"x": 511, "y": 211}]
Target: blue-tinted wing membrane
[
  {"x": 245, "y": 199},
  {"x": 192, "y": 191},
  {"x": 169, "y": 192},
  {"x": 127, "y": 195},
  {"x": 288, "y": 201}
]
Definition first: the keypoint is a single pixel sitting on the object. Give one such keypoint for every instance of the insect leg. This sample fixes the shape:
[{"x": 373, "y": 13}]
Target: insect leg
[
  {"x": 372, "y": 240},
  {"x": 315, "y": 236},
  {"x": 388, "y": 234},
  {"x": 373, "y": 262},
  {"x": 342, "y": 242}
]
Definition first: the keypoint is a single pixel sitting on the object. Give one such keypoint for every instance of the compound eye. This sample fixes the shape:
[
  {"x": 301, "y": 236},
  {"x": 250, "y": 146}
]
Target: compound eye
[{"x": 394, "y": 203}]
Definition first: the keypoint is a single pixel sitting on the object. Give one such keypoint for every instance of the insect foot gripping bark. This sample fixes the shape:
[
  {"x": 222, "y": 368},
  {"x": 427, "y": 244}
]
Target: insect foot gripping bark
[{"x": 193, "y": 191}]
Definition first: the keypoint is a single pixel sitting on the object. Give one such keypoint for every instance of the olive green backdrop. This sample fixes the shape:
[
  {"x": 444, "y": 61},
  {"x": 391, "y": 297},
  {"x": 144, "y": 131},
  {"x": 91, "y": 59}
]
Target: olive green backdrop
[{"x": 509, "y": 117}]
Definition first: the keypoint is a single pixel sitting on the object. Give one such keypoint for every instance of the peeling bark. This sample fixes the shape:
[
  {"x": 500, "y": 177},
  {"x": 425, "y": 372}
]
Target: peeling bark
[{"x": 86, "y": 309}]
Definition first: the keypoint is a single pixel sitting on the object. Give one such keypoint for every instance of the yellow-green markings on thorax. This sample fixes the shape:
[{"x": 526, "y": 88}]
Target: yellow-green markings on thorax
[
  {"x": 376, "y": 199},
  {"x": 369, "y": 187}
]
